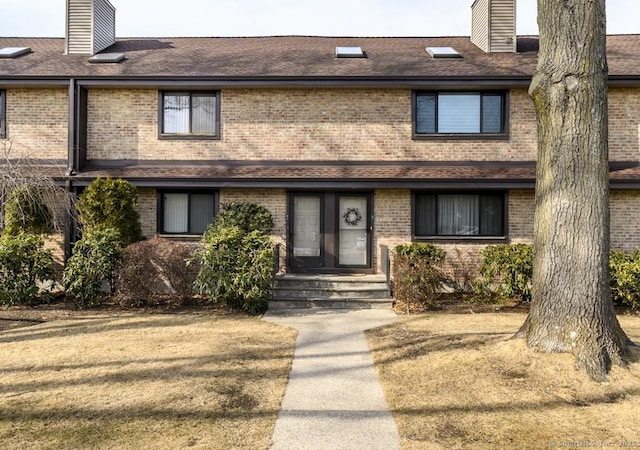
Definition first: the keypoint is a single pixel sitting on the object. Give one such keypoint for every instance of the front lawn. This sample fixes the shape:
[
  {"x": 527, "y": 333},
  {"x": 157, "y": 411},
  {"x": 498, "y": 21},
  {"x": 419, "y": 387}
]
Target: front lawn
[
  {"x": 143, "y": 381},
  {"x": 455, "y": 381}
]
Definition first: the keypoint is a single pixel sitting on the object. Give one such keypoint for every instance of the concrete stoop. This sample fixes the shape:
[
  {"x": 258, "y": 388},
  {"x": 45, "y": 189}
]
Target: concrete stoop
[{"x": 300, "y": 291}]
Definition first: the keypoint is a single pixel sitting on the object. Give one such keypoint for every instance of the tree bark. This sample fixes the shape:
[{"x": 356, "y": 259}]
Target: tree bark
[{"x": 571, "y": 308}]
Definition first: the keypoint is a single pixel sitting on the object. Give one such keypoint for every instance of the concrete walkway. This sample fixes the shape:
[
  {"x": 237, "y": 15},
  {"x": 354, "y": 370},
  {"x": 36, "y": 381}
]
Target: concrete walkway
[{"x": 333, "y": 399}]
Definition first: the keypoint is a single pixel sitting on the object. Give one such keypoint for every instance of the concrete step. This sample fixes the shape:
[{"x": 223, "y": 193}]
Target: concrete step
[
  {"x": 345, "y": 303},
  {"x": 328, "y": 281},
  {"x": 282, "y": 293},
  {"x": 330, "y": 291}
]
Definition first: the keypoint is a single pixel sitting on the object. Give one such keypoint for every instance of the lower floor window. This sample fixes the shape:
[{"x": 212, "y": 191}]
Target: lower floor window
[
  {"x": 186, "y": 212},
  {"x": 459, "y": 214}
]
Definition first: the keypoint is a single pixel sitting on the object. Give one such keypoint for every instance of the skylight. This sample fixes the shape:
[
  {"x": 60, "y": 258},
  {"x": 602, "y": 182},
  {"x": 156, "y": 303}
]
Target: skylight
[
  {"x": 14, "y": 52},
  {"x": 106, "y": 58},
  {"x": 443, "y": 52},
  {"x": 350, "y": 52}
]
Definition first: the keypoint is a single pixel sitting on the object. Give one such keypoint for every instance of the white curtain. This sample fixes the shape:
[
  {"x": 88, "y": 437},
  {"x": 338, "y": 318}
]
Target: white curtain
[
  {"x": 176, "y": 210},
  {"x": 203, "y": 110},
  {"x": 458, "y": 215}
]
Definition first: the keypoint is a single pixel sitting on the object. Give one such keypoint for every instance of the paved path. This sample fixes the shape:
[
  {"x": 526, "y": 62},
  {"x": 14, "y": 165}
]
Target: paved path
[{"x": 333, "y": 399}]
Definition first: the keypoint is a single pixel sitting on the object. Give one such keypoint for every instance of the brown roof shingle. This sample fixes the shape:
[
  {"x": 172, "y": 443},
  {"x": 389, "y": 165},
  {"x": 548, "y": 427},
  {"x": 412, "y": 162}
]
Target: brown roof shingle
[{"x": 295, "y": 57}]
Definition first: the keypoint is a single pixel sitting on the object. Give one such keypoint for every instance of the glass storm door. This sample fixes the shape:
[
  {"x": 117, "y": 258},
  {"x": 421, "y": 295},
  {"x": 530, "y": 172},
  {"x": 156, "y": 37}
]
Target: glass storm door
[
  {"x": 307, "y": 231},
  {"x": 329, "y": 232},
  {"x": 353, "y": 230}
]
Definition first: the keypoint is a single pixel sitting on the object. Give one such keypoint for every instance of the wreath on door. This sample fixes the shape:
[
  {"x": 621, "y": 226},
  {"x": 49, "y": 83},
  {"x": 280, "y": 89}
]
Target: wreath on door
[{"x": 352, "y": 217}]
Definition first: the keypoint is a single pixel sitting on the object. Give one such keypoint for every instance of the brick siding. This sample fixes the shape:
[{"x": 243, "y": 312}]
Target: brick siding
[
  {"x": 37, "y": 124},
  {"x": 148, "y": 210},
  {"x": 308, "y": 124},
  {"x": 625, "y": 220}
]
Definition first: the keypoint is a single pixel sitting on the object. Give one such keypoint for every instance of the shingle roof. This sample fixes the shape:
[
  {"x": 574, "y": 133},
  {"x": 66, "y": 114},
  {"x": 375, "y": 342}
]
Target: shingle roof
[
  {"x": 295, "y": 56},
  {"x": 332, "y": 173},
  {"x": 327, "y": 171}
]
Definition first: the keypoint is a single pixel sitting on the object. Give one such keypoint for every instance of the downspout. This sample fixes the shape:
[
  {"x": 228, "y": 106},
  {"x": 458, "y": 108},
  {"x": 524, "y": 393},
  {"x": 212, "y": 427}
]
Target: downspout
[{"x": 71, "y": 166}]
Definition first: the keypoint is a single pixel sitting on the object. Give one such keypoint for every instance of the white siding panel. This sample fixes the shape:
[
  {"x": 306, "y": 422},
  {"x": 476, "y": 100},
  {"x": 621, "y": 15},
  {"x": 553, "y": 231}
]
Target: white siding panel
[
  {"x": 480, "y": 24},
  {"x": 90, "y": 26},
  {"x": 78, "y": 27},
  {"x": 104, "y": 19},
  {"x": 503, "y": 26}
]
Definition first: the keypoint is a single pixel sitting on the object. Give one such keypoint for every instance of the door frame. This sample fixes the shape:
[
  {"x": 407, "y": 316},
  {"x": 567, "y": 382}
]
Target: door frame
[{"x": 329, "y": 251}]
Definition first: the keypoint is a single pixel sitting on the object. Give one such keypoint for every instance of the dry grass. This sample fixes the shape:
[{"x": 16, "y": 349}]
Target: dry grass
[
  {"x": 143, "y": 381},
  {"x": 456, "y": 381}
]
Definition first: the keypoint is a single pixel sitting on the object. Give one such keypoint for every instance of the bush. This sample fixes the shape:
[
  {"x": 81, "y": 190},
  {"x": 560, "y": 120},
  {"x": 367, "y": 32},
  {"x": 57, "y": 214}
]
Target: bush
[
  {"x": 155, "y": 270},
  {"x": 27, "y": 212},
  {"x": 236, "y": 268},
  {"x": 111, "y": 203},
  {"x": 506, "y": 271},
  {"x": 417, "y": 275},
  {"x": 91, "y": 269},
  {"x": 624, "y": 269},
  {"x": 246, "y": 216},
  {"x": 24, "y": 264}
]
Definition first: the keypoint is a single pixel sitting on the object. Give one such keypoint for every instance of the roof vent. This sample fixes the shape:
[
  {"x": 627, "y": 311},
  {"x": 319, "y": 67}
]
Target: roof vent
[
  {"x": 14, "y": 52},
  {"x": 107, "y": 58},
  {"x": 350, "y": 52},
  {"x": 443, "y": 52}
]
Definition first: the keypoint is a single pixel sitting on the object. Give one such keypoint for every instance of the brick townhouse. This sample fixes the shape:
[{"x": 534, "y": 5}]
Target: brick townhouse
[{"x": 354, "y": 144}]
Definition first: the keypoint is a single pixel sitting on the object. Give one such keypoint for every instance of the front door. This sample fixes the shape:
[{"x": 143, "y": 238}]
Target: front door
[{"x": 330, "y": 232}]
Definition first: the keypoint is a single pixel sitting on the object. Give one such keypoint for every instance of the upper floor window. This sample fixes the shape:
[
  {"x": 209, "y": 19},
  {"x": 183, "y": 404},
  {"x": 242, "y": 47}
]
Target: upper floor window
[
  {"x": 3, "y": 124},
  {"x": 184, "y": 212},
  {"x": 459, "y": 113},
  {"x": 459, "y": 214},
  {"x": 189, "y": 115}
]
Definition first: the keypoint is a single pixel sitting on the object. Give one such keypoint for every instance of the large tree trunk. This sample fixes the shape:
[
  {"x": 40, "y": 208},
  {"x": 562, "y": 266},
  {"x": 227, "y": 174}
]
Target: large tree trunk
[{"x": 571, "y": 309}]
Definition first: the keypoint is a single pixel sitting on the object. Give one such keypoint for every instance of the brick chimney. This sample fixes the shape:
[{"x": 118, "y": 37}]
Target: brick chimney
[
  {"x": 90, "y": 26},
  {"x": 493, "y": 25}
]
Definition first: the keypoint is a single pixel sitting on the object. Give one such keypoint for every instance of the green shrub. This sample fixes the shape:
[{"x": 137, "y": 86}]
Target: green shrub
[
  {"x": 111, "y": 203},
  {"x": 236, "y": 268},
  {"x": 91, "y": 269},
  {"x": 24, "y": 264},
  {"x": 417, "y": 275},
  {"x": 156, "y": 271},
  {"x": 506, "y": 271},
  {"x": 246, "y": 216},
  {"x": 624, "y": 269},
  {"x": 27, "y": 212}
]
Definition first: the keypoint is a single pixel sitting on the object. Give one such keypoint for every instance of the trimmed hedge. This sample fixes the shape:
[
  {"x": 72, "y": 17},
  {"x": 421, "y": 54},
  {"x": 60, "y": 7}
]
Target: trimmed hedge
[
  {"x": 90, "y": 271},
  {"x": 156, "y": 271},
  {"x": 111, "y": 203},
  {"x": 506, "y": 271},
  {"x": 236, "y": 268},
  {"x": 624, "y": 270},
  {"x": 246, "y": 216},
  {"x": 24, "y": 265},
  {"x": 27, "y": 212},
  {"x": 417, "y": 275}
]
